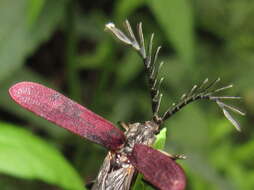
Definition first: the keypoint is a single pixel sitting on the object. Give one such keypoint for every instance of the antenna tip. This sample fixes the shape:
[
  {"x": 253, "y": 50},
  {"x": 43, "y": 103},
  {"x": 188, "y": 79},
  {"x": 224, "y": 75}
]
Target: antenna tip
[{"x": 109, "y": 25}]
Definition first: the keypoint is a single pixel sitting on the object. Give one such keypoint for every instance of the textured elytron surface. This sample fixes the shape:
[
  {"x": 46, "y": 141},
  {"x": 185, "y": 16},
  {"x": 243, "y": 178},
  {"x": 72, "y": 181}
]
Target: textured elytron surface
[
  {"x": 158, "y": 168},
  {"x": 66, "y": 113}
]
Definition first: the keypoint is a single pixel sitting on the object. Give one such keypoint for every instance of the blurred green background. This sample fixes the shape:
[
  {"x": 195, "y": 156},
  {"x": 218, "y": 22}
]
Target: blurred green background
[{"x": 62, "y": 44}]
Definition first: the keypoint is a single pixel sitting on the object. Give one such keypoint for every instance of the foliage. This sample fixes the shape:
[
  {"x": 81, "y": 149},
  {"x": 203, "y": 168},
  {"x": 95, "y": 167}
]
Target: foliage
[
  {"x": 26, "y": 156},
  {"x": 62, "y": 44}
]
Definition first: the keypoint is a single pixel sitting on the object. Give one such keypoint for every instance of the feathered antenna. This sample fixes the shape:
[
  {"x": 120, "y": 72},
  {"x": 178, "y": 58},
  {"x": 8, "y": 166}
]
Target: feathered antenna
[
  {"x": 204, "y": 91},
  {"x": 148, "y": 59}
]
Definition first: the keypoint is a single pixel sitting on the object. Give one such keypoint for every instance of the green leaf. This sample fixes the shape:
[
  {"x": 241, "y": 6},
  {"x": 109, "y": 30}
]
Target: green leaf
[
  {"x": 26, "y": 156},
  {"x": 17, "y": 38},
  {"x": 139, "y": 184},
  {"x": 176, "y": 19},
  {"x": 160, "y": 139},
  {"x": 34, "y": 10}
]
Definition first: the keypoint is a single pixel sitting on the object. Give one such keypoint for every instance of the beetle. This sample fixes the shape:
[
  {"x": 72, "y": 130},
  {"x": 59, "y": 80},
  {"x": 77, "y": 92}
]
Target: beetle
[{"x": 130, "y": 151}]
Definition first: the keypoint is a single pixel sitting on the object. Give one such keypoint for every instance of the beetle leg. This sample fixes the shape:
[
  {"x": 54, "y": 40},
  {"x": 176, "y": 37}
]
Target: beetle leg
[
  {"x": 123, "y": 125},
  {"x": 174, "y": 156}
]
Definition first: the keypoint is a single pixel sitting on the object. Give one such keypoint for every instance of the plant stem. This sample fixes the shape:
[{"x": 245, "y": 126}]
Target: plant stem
[{"x": 73, "y": 82}]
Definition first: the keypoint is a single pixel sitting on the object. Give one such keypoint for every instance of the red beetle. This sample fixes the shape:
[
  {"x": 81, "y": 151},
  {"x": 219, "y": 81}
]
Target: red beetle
[{"x": 129, "y": 151}]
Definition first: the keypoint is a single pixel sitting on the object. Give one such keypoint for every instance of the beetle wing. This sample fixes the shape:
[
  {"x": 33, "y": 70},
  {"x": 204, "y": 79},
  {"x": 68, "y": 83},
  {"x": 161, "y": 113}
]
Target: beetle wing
[
  {"x": 158, "y": 168},
  {"x": 112, "y": 178},
  {"x": 66, "y": 113}
]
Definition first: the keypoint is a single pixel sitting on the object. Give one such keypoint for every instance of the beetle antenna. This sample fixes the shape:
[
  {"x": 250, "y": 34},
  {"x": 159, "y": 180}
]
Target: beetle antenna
[
  {"x": 149, "y": 59},
  {"x": 204, "y": 91}
]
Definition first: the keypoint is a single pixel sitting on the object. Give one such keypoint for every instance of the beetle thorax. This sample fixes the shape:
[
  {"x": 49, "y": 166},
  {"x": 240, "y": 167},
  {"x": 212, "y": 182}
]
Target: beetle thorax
[
  {"x": 140, "y": 133},
  {"x": 136, "y": 133}
]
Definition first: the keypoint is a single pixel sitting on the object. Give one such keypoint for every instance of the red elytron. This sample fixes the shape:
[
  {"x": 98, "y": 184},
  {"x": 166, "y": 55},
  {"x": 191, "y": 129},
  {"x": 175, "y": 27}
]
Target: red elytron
[
  {"x": 159, "y": 169},
  {"x": 62, "y": 111},
  {"x": 130, "y": 151}
]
